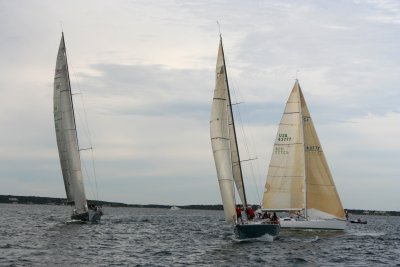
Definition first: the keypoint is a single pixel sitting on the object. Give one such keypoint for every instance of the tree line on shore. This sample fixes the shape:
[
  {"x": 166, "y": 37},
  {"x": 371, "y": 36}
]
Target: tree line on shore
[{"x": 63, "y": 201}]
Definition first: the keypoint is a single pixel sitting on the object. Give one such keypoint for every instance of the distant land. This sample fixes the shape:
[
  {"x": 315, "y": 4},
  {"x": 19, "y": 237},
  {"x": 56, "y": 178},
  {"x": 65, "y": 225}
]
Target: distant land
[
  {"x": 10, "y": 199},
  {"x": 63, "y": 201}
]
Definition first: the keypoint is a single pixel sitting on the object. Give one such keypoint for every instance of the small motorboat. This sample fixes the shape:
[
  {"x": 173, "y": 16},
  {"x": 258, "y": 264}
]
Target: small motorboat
[{"x": 358, "y": 221}]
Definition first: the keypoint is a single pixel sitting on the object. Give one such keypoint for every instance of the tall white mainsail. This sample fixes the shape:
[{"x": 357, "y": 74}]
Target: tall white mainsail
[
  {"x": 220, "y": 141},
  {"x": 66, "y": 134},
  {"x": 224, "y": 143},
  {"x": 284, "y": 188},
  {"x": 298, "y": 175}
]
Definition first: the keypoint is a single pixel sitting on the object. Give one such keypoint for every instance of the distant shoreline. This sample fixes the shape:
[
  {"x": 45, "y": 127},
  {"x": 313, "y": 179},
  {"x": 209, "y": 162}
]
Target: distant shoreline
[{"x": 12, "y": 199}]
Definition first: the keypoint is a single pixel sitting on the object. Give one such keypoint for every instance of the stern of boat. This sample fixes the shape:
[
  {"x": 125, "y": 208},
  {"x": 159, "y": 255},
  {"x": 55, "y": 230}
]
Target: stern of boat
[{"x": 255, "y": 230}]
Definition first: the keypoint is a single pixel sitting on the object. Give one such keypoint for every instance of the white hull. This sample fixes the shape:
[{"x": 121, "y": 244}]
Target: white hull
[{"x": 313, "y": 224}]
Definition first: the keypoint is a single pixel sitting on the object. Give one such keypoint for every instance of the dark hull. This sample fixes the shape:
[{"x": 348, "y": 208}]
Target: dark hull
[
  {"x": 243, "y": 231},
  {"x": 84, "y": 217},
  {"x": 91, "y": 216}
]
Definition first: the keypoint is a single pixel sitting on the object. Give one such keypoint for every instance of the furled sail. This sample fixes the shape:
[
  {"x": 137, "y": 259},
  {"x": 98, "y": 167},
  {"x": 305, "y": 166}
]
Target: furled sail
[
  {"x": 298, "y": 175},
  {"x": 65, "y": 127}
]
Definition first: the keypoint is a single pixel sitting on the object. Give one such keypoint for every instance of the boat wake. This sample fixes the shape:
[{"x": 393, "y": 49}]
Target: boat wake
[
  {"x": 75, "y": 222},
  {"x": 264, "y": 238},
  {"x": 373, "y": 234}
]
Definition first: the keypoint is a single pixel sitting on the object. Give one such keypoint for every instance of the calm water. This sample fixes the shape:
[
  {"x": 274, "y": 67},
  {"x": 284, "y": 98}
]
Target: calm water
[{"x": 38, "y": 235}]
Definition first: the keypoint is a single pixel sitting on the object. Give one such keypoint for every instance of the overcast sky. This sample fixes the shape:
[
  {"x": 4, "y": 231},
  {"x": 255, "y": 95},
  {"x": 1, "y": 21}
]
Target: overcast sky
[{"x": 145, "y": 71}]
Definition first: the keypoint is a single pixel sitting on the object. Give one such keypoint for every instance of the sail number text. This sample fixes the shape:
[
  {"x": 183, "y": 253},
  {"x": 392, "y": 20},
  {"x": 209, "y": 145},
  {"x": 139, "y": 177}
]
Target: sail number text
[
  {"x": 281, "y": 151},
  {"x": 284, "y": 137},
  {"x": 313, "y": 148}
]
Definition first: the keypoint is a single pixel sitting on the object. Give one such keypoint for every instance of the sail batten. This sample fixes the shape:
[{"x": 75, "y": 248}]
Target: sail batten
[{"x": 65, "y": 126}]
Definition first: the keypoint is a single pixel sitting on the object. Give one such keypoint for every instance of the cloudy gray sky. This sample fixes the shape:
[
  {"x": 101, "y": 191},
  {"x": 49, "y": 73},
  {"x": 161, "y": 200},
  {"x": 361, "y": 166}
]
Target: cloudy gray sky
[{"x": 146, "y": 73}]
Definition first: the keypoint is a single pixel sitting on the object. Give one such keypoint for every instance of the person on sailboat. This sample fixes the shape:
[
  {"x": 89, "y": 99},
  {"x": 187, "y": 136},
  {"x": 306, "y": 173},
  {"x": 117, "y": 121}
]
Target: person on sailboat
[
  {"x": 275, "y": 218},
  {"x": 250, "y": 213},
  {"x": 267, "y": 216},
  {"x": 239, "y": 213}
]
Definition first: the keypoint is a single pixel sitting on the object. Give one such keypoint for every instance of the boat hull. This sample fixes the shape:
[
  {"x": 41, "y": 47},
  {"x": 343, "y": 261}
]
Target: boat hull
[
  {"x": 90, "y": 216},
  {"x": 244, "y": 231},
  {"x": 313, "y": 224}
]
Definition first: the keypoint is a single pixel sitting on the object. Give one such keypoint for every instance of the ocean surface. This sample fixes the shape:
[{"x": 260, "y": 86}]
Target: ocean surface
[{"x": 40, "y": 235}]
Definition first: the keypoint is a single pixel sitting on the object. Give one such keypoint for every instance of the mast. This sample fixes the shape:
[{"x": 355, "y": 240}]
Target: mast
[
  {"x": 304, "y": 151},
  {"x": 233, "y": 127}
]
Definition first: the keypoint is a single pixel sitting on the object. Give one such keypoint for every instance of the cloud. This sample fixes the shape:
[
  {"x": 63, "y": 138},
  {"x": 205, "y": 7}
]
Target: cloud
[{"x": 146, "y": 70}]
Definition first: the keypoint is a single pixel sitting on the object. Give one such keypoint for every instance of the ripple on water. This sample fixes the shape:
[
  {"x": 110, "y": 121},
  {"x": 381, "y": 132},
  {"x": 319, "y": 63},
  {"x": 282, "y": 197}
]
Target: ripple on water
[{"x": 37, "y": 235}]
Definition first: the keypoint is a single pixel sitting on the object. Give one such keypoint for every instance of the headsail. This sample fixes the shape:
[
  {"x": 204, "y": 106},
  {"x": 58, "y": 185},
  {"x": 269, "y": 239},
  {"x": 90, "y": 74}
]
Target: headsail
[
  {"x": 298, "y": 175},
  {"x": 65, "y": 127},
  {"x": 322, "y": 197}
]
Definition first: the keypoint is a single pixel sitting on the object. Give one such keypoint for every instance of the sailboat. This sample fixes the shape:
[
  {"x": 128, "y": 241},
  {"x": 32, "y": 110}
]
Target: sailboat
[
  {"x": 67, "y": 142},
  {"x": 227, "y": 159},
  {"x": 299, "y": 181}
]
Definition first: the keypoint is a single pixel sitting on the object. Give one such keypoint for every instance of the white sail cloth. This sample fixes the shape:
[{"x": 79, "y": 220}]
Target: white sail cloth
[
  {"x": 298, "y": 175},
  {"x": 220, "y": 140},
  {"x": 66, "y": 133}
]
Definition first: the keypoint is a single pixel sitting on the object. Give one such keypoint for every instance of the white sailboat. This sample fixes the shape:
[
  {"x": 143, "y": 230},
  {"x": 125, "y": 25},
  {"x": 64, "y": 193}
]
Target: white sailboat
[
  {"x": 67, "y": 142},
  {"x": 227, "y": 160},
  {"x": 299, "y": 180}
]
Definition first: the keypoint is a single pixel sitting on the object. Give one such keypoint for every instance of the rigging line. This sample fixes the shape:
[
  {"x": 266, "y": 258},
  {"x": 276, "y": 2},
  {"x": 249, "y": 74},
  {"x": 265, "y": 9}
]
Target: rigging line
[
  {"x": 230, "y": 116},
  {"x": 255, "y": 167},
  {"x": 87, "y": 175},
  {"x": 85, "y": 127},
  {"x": 245, "y": 139},
  {"x": 95, "y": 176},
  {"x": 84, "y": 120},
  {"x": 80, "y": 93},
  {"x": 85, "y": 123},
  {"x": 248, "y": 152},
  {"x": 96, "y": 194},
  {"x": 89, "y": 135}
]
